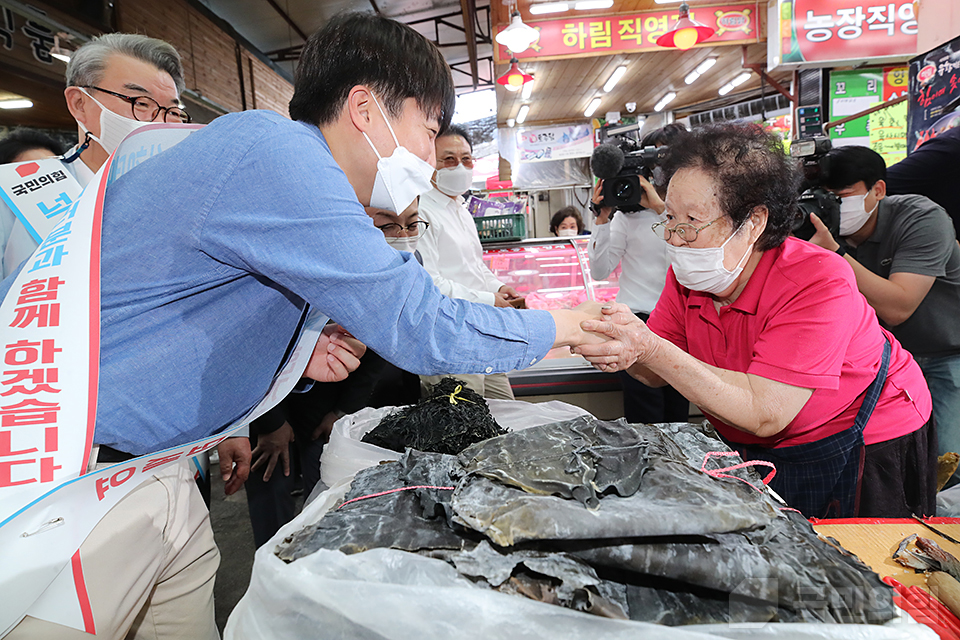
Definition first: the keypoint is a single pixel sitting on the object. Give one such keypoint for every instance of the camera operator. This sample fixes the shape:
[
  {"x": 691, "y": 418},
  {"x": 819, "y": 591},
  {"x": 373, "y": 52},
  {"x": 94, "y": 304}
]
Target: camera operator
[
  {"x": 904, "y": 253},
  {"x": 626, "y": 239}
]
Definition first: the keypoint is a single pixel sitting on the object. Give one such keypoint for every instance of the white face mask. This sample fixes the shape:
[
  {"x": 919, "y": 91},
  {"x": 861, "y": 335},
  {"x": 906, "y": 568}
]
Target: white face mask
[
  {"x": 566, "y": 233},
  {"x": 113, "y": 127},
  {"x": 401, "y": 176},
  {"x": 854, "y": 214},
  {"x": 408, "y": 243},
  {"x": 700, "y": 269},
  {"x": 455, "y": 181}
]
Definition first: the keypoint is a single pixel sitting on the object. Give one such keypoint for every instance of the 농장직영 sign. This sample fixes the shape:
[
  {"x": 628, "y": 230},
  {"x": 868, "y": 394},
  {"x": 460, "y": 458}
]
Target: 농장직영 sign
[
  {"x": 632, "y": 32},
  {"x": 818, "y": 33}
]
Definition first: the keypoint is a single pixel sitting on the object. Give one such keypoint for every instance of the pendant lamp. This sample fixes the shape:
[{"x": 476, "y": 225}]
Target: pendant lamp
[
  {"x": 517, "y": 37},
  {"x": 686, "y": 32},
  {"x": 514, "y": 78}
]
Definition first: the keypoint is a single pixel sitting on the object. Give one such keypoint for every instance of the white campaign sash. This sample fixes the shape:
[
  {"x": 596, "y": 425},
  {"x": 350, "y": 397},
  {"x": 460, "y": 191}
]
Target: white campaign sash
[
  {"x": 48, "y": 406},
  {"x": 39, "y": 192}
]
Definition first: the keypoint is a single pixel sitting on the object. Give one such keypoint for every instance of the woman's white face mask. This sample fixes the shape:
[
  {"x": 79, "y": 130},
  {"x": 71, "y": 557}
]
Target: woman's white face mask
[
  {"x": 401, "y": 177},
  {"x": 701, "y": 269}
]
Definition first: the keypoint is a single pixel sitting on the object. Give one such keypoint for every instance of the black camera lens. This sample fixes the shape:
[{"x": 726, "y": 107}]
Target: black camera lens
[{"x": 623, "y": 190}]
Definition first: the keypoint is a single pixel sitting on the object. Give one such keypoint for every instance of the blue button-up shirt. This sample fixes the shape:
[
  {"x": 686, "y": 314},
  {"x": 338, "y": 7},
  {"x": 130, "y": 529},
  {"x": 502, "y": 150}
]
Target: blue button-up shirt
[{"x": 211, "y": 252}]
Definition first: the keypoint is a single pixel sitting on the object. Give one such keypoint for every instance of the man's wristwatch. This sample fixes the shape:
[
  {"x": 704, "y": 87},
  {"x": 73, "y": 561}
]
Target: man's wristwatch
[
  {"x": 595, "y": 208},
  {"x": 841, "y": 250}
]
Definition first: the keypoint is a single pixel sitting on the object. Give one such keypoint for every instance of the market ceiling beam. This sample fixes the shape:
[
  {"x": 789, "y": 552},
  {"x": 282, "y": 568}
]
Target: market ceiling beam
[
  {"x": 761, "y": 70},
  {"x": 289, "y": 20},
  {"x": 469, "y": 10}
]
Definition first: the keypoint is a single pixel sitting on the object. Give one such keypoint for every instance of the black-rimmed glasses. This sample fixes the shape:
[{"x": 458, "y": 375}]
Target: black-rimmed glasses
[
  {"x": 147, "y": 109},
  {"x": 393, "y": 230}
]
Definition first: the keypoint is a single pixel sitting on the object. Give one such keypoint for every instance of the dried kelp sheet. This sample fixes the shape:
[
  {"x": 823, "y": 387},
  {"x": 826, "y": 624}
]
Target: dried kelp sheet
[{"x": 613, "y": 519}]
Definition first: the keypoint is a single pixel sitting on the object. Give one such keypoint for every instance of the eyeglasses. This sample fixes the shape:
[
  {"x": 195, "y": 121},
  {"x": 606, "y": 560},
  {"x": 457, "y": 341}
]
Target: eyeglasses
[
  {"x": 451, "y": 162},
  {"x": 393, "y": 230},
  {"x": 686, "y": 231},
  {"x": 147, "y": 109}
]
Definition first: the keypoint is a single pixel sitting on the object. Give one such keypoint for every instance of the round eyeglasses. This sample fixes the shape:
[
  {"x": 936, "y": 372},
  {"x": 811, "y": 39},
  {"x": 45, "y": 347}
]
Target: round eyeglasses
[
  {"x": 451, "y": 162},
  {"x": 687, "y": 232},
  {"x": 414, "y": 229},
  {"x": 147, "y": 109}
]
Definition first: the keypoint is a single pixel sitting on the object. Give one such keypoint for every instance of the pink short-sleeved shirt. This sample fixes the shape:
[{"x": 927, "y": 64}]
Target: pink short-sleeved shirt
[{"x": 800, "y": 321}]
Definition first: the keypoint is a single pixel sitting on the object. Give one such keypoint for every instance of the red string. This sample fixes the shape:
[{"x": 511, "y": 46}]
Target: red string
[
  {"x": 383, "y": 493},
  {"x": 718, "y": 473}
]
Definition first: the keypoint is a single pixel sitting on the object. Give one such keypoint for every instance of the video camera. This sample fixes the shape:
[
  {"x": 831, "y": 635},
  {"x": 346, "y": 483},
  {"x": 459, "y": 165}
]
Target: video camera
[
  {"x": 814, "y": 198},
  {"x": 618, "y": 161}
]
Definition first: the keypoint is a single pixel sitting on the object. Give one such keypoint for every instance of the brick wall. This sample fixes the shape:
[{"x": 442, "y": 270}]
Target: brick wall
[{"x": 209, "y": 55}]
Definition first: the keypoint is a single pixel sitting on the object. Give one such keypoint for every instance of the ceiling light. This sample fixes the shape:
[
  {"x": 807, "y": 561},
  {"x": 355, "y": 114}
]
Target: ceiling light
[
  {"x": 20, "y": 103},
  {"x": 692, "y": 77},
  {"x": 586, "y": 5},
  {"x": 686, "y": 32},
  {"x": 593, "y": 106},
  {"x": 517, "y": 37},
  {"x": 740, "y": 79},
  {"x": 725, "y": 89},
  {"x": 514, "y": 78},
  {"x": 522, "y": 114},
  {"x": 527, "y": 90},
  {"x": 614, "y": 79},
  {"x": 664, "y": 101},
  {"x": 705, "y": 65},
  {"x": 549, "y": 7}
]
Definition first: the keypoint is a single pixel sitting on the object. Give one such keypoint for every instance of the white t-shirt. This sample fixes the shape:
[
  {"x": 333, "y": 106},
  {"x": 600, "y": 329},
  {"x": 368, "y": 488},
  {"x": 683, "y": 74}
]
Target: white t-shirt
[{"x": 628, "y": 240}]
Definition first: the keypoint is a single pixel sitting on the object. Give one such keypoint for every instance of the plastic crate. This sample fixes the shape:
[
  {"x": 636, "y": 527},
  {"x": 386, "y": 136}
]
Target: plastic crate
[{"x": 502, "y": 228}]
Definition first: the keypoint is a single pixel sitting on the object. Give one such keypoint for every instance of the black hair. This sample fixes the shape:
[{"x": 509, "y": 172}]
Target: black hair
[
  {"x": 391, "y": 58},
  {"x": 563, "y": 214},
  {"x": 665, "y": 135},
  {"x": 846, "y": 166},
  {"x": 21, "y": 139},
  {"x": 750, "y": 170},
  {"x": 457, "y": 130}
]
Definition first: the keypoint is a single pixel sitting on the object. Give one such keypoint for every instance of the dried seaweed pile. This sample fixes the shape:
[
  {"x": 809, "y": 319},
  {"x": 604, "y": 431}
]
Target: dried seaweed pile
[
  {"x": 451, "y": 419},
  {"x": 612, "y": 519}
]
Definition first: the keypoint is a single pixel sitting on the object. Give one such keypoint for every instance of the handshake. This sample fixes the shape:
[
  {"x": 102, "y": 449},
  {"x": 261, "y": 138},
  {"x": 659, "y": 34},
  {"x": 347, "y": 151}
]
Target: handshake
[{"x": 612, "y": 337}]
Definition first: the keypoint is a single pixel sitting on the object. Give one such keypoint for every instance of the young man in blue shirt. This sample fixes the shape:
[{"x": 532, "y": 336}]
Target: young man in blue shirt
[{"x": 213, "y": 251}]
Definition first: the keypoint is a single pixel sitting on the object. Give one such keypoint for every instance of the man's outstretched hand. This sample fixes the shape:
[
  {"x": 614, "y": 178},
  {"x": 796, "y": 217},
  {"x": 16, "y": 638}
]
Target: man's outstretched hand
[{"x": 337, "y": 354}]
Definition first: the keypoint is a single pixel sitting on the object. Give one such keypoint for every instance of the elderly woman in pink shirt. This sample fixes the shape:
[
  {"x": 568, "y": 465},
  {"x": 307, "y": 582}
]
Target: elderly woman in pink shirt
[{"x": 770, "y": 337}]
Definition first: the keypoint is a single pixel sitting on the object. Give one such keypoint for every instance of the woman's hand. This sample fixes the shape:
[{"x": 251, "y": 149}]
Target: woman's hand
[
  {"x": 650, "y": 198},
  {"x": 604, "y": 216},
  {"x": 630, "y": 340}
]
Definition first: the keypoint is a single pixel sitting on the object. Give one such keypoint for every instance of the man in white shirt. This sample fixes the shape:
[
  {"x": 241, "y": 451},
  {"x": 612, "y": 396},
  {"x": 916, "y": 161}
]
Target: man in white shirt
[
  {"x": 116, "y": 83},
  {"x": 451, "y": 249}
]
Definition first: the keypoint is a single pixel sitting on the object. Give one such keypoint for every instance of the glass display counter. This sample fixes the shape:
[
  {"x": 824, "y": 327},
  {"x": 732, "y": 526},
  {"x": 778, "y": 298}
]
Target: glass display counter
[{"x": 554, "y": 273}]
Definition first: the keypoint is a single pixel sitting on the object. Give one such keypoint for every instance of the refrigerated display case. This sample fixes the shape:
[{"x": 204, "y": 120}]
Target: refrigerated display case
[{"x": 554, "y": 273}]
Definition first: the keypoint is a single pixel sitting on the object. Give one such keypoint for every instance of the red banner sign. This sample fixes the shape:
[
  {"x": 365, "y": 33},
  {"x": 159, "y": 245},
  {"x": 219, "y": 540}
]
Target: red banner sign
[
  {"x": 834, "y": 31},
  {"x": 633, "y": 32}
]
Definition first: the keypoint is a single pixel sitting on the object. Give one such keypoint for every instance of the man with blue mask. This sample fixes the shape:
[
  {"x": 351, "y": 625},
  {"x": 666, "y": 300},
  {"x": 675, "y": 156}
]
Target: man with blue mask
[
  {"x": 116, "y": 83},
  {"x": 904, "y": 252}
]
